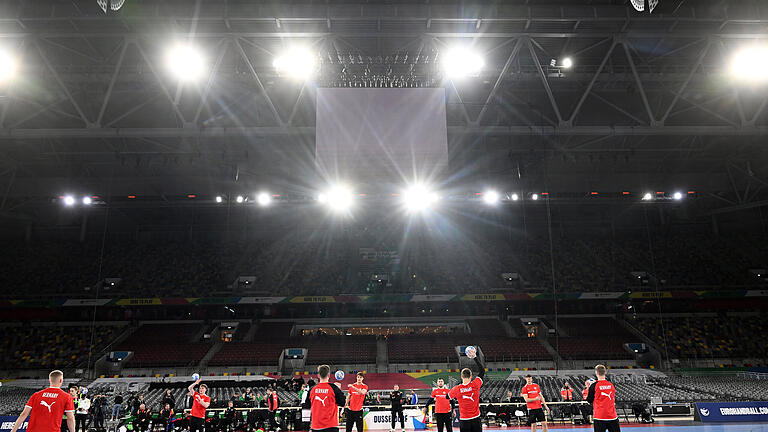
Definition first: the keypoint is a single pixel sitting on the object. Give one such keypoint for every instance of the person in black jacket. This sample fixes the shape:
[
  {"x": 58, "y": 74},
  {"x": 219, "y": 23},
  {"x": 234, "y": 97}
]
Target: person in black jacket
[
  {"x": 165, "y": 417},
  {"x": 143, "y": 417},
  {"x": 168, "y": 399},
  {"x": 396, "y": 410},
  {"x": 230, "y": 416}
]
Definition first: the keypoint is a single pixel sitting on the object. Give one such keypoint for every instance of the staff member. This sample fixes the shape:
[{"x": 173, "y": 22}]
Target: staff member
[
  {"x": 324, "y": 401},
  {"x": 273, "y": 403},
  {"x": 396, "y": 410},
  {"x": 47, "y": 408},
  {"x": 355, "y": 399},
  {"x": 200, "y": 401},
  {"x": 602, "y": 396}
]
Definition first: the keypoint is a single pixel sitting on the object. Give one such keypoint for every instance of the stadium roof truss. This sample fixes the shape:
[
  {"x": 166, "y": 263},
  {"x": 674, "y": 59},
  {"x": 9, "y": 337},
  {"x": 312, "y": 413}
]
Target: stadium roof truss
[{"x": 102, "y": 76}]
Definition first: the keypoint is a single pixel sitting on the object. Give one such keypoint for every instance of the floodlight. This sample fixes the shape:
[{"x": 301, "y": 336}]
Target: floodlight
[
  {"x": 566, "y": 63},
  {"x": 535, "y": 197},
  {"x": 69, "y": 200},
  {"x": 338, "y": 198},
  {"x": 515, "y": 197},
  {"x": 219, "y": 199},
  {"x": 264, "y": 199},
  {"x": 240, "y": 199},
  {"x": 647, "y": 196},
  {"x": 8, "y": 64},
  {"x": 185, "y": 62},
  {"x": 491, "y": 197},
  {"x": 297, "y": 63},
  {"x": 750, "y": 64},
  {"x": 419, "y": 197},
  {"x": 87, "y": 200},
  {"x": 462, "y": 62},
  {"x": 677, "y": 196}
]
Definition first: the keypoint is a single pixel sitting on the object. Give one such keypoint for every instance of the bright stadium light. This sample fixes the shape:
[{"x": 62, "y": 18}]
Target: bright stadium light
[
  {"x": 750, "y": 64},
  {"x": 677, "y": 195},
  {"x": 647, "y": 196},
  {"x": 338, "y": 198},
  {"x": 219, "y": 199},
  {"x": 240, "y": 199},
  {"x": 515, "y": 197},
  {"x": 419, "y": 198},
  {"x": 185, "y": 62},
  {"x": 8, "y": 65},
  {"x": 264, "y": 199},
  {"x": 566, "y": 63},
  {"x": 87, "y": 200},
  {"x": 535, "y": 197},
  {"x": 491, "y": 197},
  {"x": 297, "y": 63},
  {"x": 462, "y": 62},
  {"x": 69, "y": 200}
]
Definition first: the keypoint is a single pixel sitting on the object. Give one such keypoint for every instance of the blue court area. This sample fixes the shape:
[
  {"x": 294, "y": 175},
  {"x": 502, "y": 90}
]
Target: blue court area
[{"x": 659, "y": 427}]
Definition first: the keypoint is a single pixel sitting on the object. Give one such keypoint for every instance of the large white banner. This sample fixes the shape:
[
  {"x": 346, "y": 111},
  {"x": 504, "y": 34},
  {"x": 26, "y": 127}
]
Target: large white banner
[
  {"x": 396, "y": 133},
  {"x": 414, "y": 419}
]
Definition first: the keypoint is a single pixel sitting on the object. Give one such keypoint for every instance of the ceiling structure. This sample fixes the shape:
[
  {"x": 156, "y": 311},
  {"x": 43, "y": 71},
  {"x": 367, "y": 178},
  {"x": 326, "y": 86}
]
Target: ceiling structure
[{"x": 648, "y": 103}]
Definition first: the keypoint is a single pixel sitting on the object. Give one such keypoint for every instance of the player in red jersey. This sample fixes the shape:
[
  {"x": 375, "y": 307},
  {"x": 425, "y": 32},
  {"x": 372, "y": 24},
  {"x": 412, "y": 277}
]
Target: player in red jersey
[
  {"x": 355, "y": 399},
  {"x": 602, "y": 396},
  {"x": 443, "y": 407},
  {"x": 534, "y": 401},
  {"x": 468, "y": 395},
  {"x": 47, "y": 408},
  {"x": 324, "y": 401},
  {"x": 200, "y": 401}
]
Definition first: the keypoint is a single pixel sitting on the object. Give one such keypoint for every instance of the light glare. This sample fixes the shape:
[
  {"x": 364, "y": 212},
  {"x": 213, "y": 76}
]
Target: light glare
[
  {"x": 297, "y": 63},
  {"x": 69, "y": 200},
  {"x": 515, "y": 197},
  {"x": 8, "y": 66},
  {"x": 647, "y": 196},
  {"x": 264, "y": 199},
  {"x": 491, "y": 197},
  {"x": 462, "y": 62},
  {"x": 419, "y": 198},
  {"x": 750, "y": 64},
  {"x": 535, "y": 197},
  {"x": 239, "y": 199},
  {"x": 219, "y": 199},
  {"x": 185, "y": 62},
  {"x": 338, "y": 198},
  {"x": 677, "y": 196},
  {"x": 567, "y": 63},
  {"x": 87, "y": 200}
]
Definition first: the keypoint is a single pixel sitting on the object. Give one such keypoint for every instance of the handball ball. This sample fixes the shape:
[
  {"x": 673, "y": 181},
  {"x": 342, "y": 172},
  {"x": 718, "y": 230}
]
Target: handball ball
[
  {"x": 339, "y": 375},
  {"x": 84, "y": 390},
  {"x": 470, "y": 350},
  {"x": 195, "y": 376}
]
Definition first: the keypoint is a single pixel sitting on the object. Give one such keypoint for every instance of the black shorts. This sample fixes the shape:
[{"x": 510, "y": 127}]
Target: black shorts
[
  {"x": 472, "y": 425},
  {"x": 536, "y": 415},
  {"x": 607, "y": 425},
  {"x": 196, "y": 424}
]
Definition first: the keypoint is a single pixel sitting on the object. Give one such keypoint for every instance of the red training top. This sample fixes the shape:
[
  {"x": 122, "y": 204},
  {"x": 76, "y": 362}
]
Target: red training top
[
  {"x": 356, "y": 399},
  {"x": 532, "y": 391},
  {"x": 48, "y": 407},
  {"x": 324, "y": 401},
  {"x": 442, "y": 405},
  {"x": 273, "y": 401},
  {"x": 198, "y": 410},
  {"x": 602, "y": 395},
  {"x": 469, "y": 398},
  {"x": 566, "y": 393}
]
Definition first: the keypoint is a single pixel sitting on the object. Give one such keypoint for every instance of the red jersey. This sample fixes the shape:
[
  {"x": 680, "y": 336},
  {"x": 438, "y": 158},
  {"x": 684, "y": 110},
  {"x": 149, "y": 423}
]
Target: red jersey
[
  {"x": 442, "y": 405},
  {"x": 273, "y": 401},
  {"x": 532, "y": 391},
  {"x": 198, "y": 410},
  {"x": 584, "y": 393},
  {"x": 324, "y": 401},
  {"x": 356, "y": 399},
  {"x": 469, "y": 399},
  {"x": 48, "y": 407},
  {"x": 602, "y": 395},
  {"x": 566, "y": 393}
]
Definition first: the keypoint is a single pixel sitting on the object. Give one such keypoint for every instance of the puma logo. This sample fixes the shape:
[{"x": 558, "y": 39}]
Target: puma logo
[
  {"x": 467, "y": 397},
  {"x": 322, "y": 400},
  {"x": 608, "y": 395},
  {"x": 47, "y": 406}
]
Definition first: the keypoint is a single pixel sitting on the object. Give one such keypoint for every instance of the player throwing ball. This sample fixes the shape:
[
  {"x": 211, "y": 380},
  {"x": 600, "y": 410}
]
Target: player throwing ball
[
  {"x": 324, "y": 401},
  {"x": 200, "y": 401},
  {"x": 468, "y": 395},
  {"x": 533, "y": 401},
  {"x": 602, "y": 396}
]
